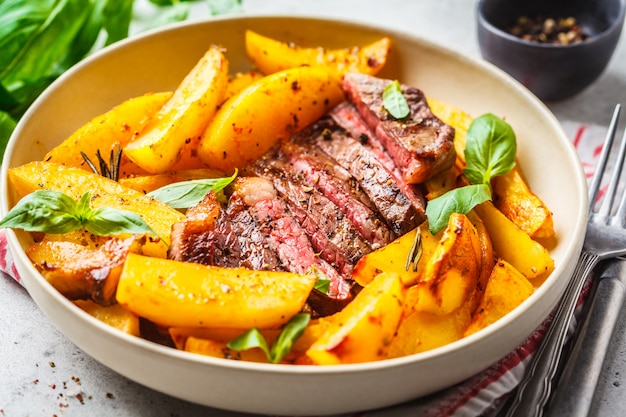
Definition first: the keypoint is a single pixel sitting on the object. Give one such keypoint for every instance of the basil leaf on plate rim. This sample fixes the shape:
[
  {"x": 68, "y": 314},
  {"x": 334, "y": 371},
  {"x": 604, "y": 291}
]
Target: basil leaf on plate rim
[{"x": 489, "y": 151}]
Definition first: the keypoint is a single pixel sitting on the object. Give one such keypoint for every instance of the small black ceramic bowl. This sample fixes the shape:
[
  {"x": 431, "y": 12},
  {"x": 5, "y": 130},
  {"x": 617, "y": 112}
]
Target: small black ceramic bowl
[{"x": 551, "y": 71}]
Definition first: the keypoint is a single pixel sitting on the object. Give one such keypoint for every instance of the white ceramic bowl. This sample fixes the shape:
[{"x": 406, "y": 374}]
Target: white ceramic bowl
[{"x": 158, "y": 61}]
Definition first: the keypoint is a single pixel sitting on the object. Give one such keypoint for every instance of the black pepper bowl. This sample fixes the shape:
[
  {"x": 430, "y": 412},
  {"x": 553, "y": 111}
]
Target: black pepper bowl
[{"x": 551, "y": 71}]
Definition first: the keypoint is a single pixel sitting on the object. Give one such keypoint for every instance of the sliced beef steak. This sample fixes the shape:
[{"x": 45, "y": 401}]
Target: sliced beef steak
[
  {"x": 315, "y": 169},
  {"x": 285, "y": 236},
  {"x": 402, "y": 208},
  {"x": 330, "y": 232},
  {"x": 205, "y": 236},
  {"x": 421, "y": 145}
]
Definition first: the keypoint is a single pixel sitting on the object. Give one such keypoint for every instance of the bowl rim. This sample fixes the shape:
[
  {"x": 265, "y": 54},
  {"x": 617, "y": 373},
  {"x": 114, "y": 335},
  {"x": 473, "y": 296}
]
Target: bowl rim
[
  {"x": 461, "y": 344},
  {"x": 486, "y": 23}
]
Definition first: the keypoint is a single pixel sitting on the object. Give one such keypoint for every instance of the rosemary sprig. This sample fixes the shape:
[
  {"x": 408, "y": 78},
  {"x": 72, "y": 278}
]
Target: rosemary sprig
[
  {"x": 110, "y": 170},
  {"x": 415, "y": 253}
]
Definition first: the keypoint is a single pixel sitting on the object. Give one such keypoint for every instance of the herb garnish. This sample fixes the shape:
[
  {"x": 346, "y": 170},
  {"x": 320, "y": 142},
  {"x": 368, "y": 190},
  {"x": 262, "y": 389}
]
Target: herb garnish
[
  {"x": 109, "y": 170},
  {"x": 55, "y": 213},
  {"x": 253, "y": 338},
  {"x": 489, "y": 151},
  {"x": 394, "y": 101},
  {"x": 185, "y": 194}
]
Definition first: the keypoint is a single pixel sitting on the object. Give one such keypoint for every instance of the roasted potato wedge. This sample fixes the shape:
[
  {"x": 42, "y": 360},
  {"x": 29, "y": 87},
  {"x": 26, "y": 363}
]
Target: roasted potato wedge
[
  {"x": 514, "y": 245},
  {"x": 115, "y": 316},
  {"x": 449, "y": 278},
  {"x": 79, "y": 272},
  {"x": 362, "y": 331},
  {"x": 506, "y": 289},
  {"x": 103, "y": 132},
  {"x": 182, "y": 294},
  {"x": 270, "y": 56},
  {"x": 184, "y": 117},
  {"x": 75, "y": 182},
  {"x": 392, "y": 258},
  {"x": 243, "y": 129}
]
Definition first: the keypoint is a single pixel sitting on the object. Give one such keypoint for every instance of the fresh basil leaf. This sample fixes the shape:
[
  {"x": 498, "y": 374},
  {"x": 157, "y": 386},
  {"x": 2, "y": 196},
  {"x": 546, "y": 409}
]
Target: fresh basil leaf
[
  {"x": 290, "y": 333},
  {"x": 54, "y": 212},
  {"x": 187, "y": 194},
  {"x": 323, "y": 283},
  {"x": 7, "y": 125},
  {"x": 490, "y": 149},
  {"x": 394, "y": 101},
  {"x": 106, "y": 221},
  {"x": 220, "y": 7},
  {"x": 251, "y": 339},
  {"x": 47, "y": 44},
  {"x": 116, "y": 17},
  {"x": 458, "y": 200},
  {"x": 43, "y": 211}
]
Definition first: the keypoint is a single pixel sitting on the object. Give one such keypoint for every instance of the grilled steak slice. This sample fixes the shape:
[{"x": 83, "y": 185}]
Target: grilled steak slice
[
  {"x": 420, "y": 144},
  {"x": 285, "y": 236},
  {"x": 205, "y": 236},
  {"x": 330, "y": 232},
  {"x": 402, "y": 208},
  {"x": 349, "y": 118},
  {"x": 253, "y": 244},
  {"x": 315, "y": 169}
]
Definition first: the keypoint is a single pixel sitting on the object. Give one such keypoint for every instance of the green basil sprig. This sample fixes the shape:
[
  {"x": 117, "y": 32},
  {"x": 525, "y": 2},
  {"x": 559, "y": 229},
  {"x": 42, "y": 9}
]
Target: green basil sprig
[
  {"x": 394, "y": 101},
  {"x": 54, "y": 212},
  {"x": 185, "y": 194},
  {"x": 253, "y": 338},
  {"x": 489, "y": 151}
]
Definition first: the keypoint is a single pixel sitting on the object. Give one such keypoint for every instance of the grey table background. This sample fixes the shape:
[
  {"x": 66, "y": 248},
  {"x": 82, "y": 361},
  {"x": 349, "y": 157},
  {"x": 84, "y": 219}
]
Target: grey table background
[{"x": 44, "y": 374}]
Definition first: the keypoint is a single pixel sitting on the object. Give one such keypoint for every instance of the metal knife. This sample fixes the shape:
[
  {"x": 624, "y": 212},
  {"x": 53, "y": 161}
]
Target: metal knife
[{"x": 575, "y": 389}]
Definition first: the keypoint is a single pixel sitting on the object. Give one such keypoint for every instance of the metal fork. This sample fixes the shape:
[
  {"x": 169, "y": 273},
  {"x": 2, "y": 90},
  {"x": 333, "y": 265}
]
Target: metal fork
[{"x": 605, "y": 238}]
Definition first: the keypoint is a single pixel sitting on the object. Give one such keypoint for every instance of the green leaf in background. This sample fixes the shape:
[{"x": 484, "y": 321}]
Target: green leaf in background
[
  {"x": 7, "y": 124},
  {"x": 219, "y": 7}
]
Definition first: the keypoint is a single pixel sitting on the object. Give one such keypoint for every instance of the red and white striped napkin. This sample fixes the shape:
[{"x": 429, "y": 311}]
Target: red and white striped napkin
[{"x": 483, "y": 394}]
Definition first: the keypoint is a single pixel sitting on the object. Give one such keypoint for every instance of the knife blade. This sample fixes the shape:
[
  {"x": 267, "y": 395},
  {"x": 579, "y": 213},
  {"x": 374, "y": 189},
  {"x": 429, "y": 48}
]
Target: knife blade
[{"x": 575, "y": 389}]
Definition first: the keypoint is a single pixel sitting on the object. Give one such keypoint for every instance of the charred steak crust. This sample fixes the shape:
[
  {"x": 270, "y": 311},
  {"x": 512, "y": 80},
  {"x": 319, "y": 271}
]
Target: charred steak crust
[
  {"x": 421, "y": 145},
  {"x": 205, "y": 236}
]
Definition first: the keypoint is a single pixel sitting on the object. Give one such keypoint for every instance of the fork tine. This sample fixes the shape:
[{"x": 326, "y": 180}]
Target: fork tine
[
  {"x": 621, "y": 210},
  {"x": 607, "y": 204},
  {"x": 594, "y": 187}
]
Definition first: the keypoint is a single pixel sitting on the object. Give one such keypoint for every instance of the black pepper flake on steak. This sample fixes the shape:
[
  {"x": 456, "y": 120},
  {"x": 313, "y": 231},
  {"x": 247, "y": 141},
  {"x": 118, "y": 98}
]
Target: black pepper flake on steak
[{"x": 421, "y": 145}]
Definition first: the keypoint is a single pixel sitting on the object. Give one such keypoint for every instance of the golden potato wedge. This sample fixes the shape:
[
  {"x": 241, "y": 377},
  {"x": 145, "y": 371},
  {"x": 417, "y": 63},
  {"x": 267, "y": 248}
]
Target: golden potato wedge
[
  {"x": 513, "y": 197},
  {"x": 75, "y": 182},
  {"x": 115, "y": 316},
  {"x": 101, "y": 133},
  {"x": 392, "y": 258},
  {"x": 79, "y": 272},
  {"x": 456, "y": 118},
  {"x": 148, "y": 183},
  {"x": 506, "y": 289},
  {"x": 270, "y": 56},
  {"x": 266, "y": 112},
  {"x": 182, "y": 294},
  {"x": 219, "y": 349},
  {"x": 450, "y": 276},
  {"x": 240, "y": 81},
  {"x": 420, "y": 331},
  {"x": 362, "y": 331},
  {"x": 184, "y": 117},
  {"x": 487, "y": 259},
  {"x": 514, "y": 245}
]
